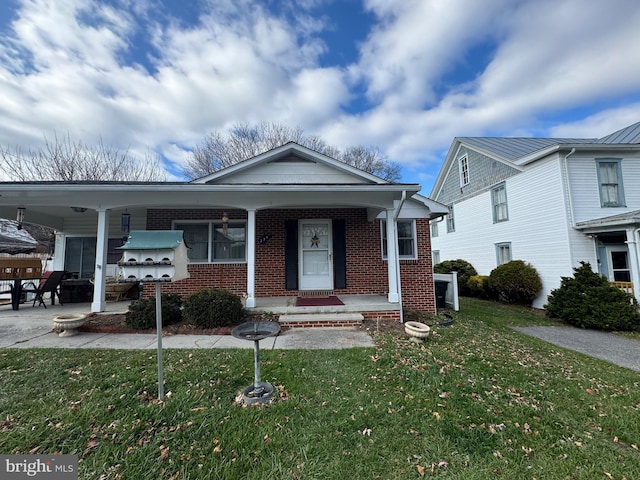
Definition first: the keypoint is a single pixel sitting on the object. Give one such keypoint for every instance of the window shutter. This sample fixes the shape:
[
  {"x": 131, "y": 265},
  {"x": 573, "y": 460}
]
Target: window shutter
[
  {"x": 291, "y": 254},
  {"x": 339, "y": 254}
]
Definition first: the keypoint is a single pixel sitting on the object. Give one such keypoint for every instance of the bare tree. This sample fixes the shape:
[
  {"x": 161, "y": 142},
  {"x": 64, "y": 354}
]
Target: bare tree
[
  {"x": 370, "y": 160},
  {"x": 68, "y": 160},
  {"x": 245, "y": 141}
]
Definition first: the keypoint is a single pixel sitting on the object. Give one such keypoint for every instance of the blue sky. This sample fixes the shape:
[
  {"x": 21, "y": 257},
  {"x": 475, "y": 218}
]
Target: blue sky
[{"x": 406, "y": 76}]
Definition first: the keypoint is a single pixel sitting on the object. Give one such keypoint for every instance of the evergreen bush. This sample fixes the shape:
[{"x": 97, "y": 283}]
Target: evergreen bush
[
  {"x": 142, "y": 313},
  {"x": 587, "y": 300},
  {"x": 213, "y": 308},
  {"x": 515, "y": 282},
  {"x": 478, "y": 286},
  {"x": 465, "y": 272}
]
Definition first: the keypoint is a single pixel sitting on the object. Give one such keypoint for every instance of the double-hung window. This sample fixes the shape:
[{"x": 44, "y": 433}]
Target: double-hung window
[
  {"x": 610, "y": 182},
  {"x": 499, "y": 203},
  {"x": 214, "y": 242},
  {"x": 451, "y": 223},
  {"x": 464, "y": 171},
  {"x": 407, "y": 246},
  {"x": 503, "y": 253}
]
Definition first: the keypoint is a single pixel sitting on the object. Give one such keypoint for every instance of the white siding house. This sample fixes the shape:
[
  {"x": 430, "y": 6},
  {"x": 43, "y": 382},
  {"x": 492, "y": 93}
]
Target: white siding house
[{"x": 552, "y": 202}]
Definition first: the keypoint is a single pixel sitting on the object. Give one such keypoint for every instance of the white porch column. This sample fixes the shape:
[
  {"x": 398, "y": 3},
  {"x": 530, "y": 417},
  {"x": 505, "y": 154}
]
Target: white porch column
[
  {"x": 392, "y": 258},
  {"x": 634, "y": 260},
  {"x": 102, "y": 237},
  {"x": 251, "y": 258}
]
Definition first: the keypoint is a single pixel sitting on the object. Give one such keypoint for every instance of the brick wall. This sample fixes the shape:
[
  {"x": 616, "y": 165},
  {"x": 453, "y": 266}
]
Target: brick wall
[{"x": 366, "y": 271}]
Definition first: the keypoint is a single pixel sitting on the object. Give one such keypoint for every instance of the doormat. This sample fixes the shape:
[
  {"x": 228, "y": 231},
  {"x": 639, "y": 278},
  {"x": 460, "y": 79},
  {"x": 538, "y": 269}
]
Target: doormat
[{"x": 318, "y": 301}]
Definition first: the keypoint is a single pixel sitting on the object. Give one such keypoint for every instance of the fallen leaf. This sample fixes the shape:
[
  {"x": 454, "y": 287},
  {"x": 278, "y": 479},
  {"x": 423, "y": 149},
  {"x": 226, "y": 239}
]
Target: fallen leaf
[
  {"x": 164, "y": 452},
  {"x": 420, "y": 469}
]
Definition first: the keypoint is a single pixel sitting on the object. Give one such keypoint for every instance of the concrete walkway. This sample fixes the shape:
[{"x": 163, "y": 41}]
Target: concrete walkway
[
  {"x": 605, "y": 346},
  {"x": 31, "y": 327}
]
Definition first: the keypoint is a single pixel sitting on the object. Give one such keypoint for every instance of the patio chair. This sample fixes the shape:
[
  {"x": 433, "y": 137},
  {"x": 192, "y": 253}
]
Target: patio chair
[{"x": 48, "y": 284}]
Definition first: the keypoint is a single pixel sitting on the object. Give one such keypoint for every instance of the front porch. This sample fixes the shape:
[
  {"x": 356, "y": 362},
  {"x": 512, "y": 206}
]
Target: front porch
[
  {"x": 355, "y": 309},
  {"x": 368, "y": 306}
]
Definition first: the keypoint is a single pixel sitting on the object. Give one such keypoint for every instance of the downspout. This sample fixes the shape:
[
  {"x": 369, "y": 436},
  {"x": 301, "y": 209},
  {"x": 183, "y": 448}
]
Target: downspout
[
  {"x": 565, "y": 164},
  {"x": 396, "y": 214}
]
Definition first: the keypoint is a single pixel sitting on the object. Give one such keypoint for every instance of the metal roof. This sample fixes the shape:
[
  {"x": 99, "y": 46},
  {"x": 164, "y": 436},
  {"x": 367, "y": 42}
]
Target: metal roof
[
  {"x": 153, "y": 240},
  {"x": 630, "y": 134},
  {"x": 513, "y": 148}
]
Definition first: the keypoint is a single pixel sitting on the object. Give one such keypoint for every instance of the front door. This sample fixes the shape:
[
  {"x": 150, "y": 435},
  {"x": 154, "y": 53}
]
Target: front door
[
  {"x": 619, "y": 264},
  {"x": 316, "y": 268}
]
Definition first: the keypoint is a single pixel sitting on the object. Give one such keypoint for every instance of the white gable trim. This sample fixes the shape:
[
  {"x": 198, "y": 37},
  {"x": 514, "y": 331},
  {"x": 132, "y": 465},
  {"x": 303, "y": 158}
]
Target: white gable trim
[{"x": 284, "y": 150}]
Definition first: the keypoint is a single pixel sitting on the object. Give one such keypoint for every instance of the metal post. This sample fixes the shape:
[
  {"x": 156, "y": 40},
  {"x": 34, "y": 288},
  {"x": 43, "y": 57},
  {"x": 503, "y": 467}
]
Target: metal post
[
  {"x": 159, "y": 336},
  {"x": 257, "y": 384}
]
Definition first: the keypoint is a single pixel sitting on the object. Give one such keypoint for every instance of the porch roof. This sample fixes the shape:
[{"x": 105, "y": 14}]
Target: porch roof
[
  {"x": 627, "y": 219},
  {"x": 50, "y": 202}
]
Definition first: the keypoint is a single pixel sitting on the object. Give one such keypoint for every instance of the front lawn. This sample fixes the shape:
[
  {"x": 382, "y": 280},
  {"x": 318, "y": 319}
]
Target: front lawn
[{"x": 475, "y": 401}]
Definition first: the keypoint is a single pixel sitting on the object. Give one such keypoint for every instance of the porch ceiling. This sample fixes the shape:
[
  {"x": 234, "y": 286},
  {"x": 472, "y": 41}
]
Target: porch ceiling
[{"x": 49, "y": 202}]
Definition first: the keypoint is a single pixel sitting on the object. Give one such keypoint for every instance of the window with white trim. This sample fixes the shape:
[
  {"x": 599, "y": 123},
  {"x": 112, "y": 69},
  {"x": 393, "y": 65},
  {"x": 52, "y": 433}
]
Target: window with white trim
[
  {"x": 503, "y": 253},
  {"x": 213, "y": 242},
  {"x": 434, "y": 228},
  {"x": 451, "y": 223},
  {"x": 407, "y": 243},
  {"x": 499, "y": 203},
  {"x": 463, "y": 163},
  {"x": 610, "y": 182},
  {"x": 435, "y": 257}
]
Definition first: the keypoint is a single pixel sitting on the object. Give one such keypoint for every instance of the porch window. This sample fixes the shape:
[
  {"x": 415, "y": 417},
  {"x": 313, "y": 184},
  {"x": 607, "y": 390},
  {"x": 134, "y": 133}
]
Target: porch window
[
  {"x": 499, "y": 203},
  {"x": 503, "y": 253},
  {"x": 211, "y": 242},
  {"x": 610, "y": 182},
  {"x": 464, "y": 171},
  {"x": 407, "y": 245}
]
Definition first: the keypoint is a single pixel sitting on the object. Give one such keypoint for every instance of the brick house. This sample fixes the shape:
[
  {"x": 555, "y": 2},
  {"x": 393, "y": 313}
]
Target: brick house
[{"x": 287, "y": 223}]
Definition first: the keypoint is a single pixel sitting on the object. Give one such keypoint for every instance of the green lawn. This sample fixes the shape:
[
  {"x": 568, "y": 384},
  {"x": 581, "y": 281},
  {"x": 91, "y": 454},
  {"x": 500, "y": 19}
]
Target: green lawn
[{"x": 475, "y": 401}]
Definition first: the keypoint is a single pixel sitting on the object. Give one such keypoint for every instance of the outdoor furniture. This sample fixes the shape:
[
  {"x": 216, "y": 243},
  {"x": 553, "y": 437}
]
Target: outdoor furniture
[
  {"x": 116, "y": 290},
  {"x": 48, "y": 284},
  {"x": 19, "y": 269}
]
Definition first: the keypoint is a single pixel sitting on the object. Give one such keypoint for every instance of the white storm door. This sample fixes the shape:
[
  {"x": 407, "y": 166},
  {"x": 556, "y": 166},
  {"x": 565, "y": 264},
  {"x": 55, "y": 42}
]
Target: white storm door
[{"x": 316, "y": 270}]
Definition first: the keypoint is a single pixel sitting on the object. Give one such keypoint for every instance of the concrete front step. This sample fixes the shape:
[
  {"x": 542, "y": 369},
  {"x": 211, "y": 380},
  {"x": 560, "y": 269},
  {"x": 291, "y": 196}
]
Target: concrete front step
[{"x": 306, "y": 320}]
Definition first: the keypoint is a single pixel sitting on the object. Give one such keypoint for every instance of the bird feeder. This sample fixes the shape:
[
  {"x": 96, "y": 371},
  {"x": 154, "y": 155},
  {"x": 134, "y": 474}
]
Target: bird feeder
[{"x": 155, "y": 256}]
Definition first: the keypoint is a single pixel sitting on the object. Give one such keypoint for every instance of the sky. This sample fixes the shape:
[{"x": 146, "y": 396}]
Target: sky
[{"x": 405, "y": 76}]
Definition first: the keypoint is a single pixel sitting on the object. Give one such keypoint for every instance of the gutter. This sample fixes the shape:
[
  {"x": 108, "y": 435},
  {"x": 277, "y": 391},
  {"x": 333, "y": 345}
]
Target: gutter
[{"x": 396, "y": 214}]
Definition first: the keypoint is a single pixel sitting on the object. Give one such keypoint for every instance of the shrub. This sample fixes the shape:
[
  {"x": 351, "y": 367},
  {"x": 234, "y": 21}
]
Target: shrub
[
  {"x": 515, "y": 282},
  {"x": 588, "y": 301},
  {"x": 465, "y": 271},
  {"x": 142, "y": 313},
  {"x": 478, "y": 286},
  {"x": 213, "y": 308}
]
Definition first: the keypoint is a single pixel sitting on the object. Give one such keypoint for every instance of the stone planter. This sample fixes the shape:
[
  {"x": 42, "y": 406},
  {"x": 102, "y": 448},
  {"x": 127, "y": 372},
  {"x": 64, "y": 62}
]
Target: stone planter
[
  {"x": 68, "y": 324},
  {"x": 417, "y": 330}
]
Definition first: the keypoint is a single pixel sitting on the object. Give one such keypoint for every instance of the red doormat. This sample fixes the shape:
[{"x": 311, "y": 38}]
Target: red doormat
[{"x": 318, "y": 301}]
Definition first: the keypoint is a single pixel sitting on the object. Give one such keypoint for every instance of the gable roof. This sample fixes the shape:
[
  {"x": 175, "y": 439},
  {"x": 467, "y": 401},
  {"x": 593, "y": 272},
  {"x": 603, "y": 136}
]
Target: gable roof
[
  {"x": 519, "y": 151},
  {"x": 282, "y": 159}
]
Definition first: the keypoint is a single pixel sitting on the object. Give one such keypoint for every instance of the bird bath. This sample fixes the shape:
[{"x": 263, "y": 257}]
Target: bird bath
[
  {"x": 68, "y": 324},
  {"x": 259, "y": 392}
]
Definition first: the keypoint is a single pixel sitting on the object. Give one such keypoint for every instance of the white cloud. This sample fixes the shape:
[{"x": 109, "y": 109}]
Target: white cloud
[{"x": 66, "y": 67}]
